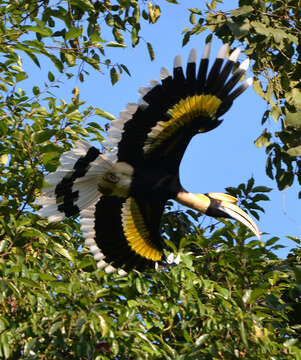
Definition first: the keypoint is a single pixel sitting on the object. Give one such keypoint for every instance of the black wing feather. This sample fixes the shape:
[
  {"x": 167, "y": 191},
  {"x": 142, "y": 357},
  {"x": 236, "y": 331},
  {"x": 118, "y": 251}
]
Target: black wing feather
[
  {"x": 110, "y": 237},
  {"x": 163, "y": 97}
]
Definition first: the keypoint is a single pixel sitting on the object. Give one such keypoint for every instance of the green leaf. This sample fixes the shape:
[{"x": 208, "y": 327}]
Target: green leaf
[
  {"x": 47, "y": 277},
  {"x": 36, "y": 90},
  {"x": 260, "y": 197},
  {"x": 31, "y": 232},
  {"x": 3, "y": 159},
  {"x": 7, "y": 349},
  {"x": 50, "y": 76},
  {"x": 50, "y": 148},
  {"x": 154, "y": 12},
  {"x": 55, "y": 327},
  {"x": 109, "y": 20},
  {"x": 114, "y": 76},
  {"x": 139, "y": 285},
  {"x": 125, "y": 69},
  {"x": 192, "y": 19},
  {"x": 254, "y": 213},
  {"x": 263, "y": 139},
  {"x": 150, "y": 51},
  {"x": 243, "y": 333},
  {"x": 60, "y": 249},
  {"x": 186, "y": 38},
  {"x": 202, "y": 339},
  {"x": 240, "y": 30},
  {"x": 28, "y": 282},
  {"x": 284, "y": 178},
  {"x": 104, "y": 114},
  {"x": 272, "y": 241},
  {"x": 115, "y": 44},
  {"x": 294, "y": 151},
  {"x": 3, "y": 87},
  {"x": 118, "y": 36},
  {"x": 258, "y": 87},
  {"x": 135, "y": 37},
  {"x": 60, "y": 287},
  {"x": 85, "y": 5},
  {"x": 73, "y": 33},
  {"x": 293, "y": 119},
  {"x": 103, "y": 325},
  {"x": 195, "y": 11},
  {"x": 275, "y": 112},
  {"x": 44, "y": 135},
  {"x": 279, "y": 35},
  {"x": 259, "y": 189},
  {"x": 58, "y": 63},
  {"x": 96, "y": 38},
  {"x": 296, "y": 94},
  {"x": 295, "y": 239},
  {"x": 260, "y": 28},
  {"x": 244, "y": 10},
  {"x": 40, "y": 30},
  {"x": 250, "y": 184}
]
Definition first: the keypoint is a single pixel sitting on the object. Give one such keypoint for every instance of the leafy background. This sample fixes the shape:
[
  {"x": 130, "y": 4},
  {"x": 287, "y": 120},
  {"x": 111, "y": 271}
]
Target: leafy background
[{"x": 231, "y": 296}]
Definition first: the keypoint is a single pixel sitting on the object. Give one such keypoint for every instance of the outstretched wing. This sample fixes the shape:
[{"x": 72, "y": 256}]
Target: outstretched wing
[
  {"x": 170, "y": 113},
  {"x": 123, "y": 233}
]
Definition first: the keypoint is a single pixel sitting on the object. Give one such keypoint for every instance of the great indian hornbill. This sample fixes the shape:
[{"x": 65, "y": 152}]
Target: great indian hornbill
[{"x": 121, "y": 194}]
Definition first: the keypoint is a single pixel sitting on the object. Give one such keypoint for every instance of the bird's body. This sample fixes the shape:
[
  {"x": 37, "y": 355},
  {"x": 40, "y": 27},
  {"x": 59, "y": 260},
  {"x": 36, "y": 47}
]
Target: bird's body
[{"x": 121, "y": 194}]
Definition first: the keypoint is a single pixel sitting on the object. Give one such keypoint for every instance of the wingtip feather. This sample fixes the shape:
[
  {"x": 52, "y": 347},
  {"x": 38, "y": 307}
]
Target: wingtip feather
[
  {"x": 245, "y": 64},
  {"x": 164, "y": 73},
  {"x": 234, "y": 55},
  {"x": 223, "y": 51},
  {"x": 177, "y": 61},
  {"x": 192, "y": 56},
  {"x": 206, "y": 52}
]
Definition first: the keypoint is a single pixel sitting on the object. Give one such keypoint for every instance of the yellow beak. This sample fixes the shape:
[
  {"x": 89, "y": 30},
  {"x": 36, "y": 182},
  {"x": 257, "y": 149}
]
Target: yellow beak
[{"x": 224, "y": 206}]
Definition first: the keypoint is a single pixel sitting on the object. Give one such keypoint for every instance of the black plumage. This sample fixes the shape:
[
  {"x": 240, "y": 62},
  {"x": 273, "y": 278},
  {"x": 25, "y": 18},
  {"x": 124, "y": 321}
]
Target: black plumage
[{"x": 121, "y": 194}]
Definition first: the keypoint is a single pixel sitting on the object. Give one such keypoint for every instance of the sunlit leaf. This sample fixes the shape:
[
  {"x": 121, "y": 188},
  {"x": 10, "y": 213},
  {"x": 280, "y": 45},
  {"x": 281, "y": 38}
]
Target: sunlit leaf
[
  {"x": 293, "y": 119},
  {"x": 115, "y": 76},
  {"x": 115, "y": 44},
  {"x": 295, "y": 151},
  {"x": 73, "y": 33},
  {"x": 263, "y": 139},
  {"x": 245, "y": 10},
  {"x": 40, "y": 30},
  {"x": 150, "y": 51}
]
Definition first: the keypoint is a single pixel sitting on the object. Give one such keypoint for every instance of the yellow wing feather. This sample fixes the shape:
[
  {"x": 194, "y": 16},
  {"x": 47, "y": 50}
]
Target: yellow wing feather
[
  {"x": 136, "y": 231},
  {"x": 181, "y": 114}
]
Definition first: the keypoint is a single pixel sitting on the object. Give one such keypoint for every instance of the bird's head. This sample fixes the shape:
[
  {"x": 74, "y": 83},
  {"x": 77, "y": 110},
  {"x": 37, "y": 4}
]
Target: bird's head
[{"x": 218, "y": 205}]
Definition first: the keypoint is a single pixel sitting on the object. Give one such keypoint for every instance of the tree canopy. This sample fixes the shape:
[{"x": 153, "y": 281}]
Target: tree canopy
[{"x": 229, "y": 297}]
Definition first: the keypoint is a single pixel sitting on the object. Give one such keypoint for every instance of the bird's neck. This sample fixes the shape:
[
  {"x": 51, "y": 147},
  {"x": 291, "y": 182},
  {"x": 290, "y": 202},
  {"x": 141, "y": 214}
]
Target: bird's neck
[{"x": 198, "y": 202}]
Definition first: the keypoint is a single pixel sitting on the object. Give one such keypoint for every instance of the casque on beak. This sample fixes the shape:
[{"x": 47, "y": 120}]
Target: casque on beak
[
  {"x": 223, "y": 205},
  {"x": 217, "y": 205}
]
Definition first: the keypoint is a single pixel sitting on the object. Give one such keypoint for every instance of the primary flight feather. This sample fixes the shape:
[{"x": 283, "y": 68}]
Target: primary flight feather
[{"x": 121, "y": 194}]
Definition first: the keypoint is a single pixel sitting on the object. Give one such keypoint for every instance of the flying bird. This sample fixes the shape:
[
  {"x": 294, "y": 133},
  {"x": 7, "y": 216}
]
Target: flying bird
[{"x": 121, "y": 193}]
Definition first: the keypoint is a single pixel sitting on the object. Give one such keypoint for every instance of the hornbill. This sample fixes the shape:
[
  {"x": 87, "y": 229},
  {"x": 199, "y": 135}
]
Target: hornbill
[{"x": 121, "y": 193}]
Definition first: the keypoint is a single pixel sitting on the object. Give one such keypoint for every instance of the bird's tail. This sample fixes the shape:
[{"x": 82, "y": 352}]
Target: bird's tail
[{"x": 75, "y": 184}]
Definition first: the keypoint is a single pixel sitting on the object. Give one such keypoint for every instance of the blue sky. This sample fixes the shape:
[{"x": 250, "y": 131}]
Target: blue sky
[{"x": 228, "y": 153}]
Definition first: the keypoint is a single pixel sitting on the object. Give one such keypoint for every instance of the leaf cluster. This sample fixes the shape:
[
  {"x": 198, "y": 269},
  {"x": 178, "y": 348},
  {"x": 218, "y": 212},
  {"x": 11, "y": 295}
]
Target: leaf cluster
[{"x": 69, "y": 33}]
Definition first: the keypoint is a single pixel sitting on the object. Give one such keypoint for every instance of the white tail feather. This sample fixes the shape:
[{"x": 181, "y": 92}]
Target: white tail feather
[{"x": 87, "y": 185}]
